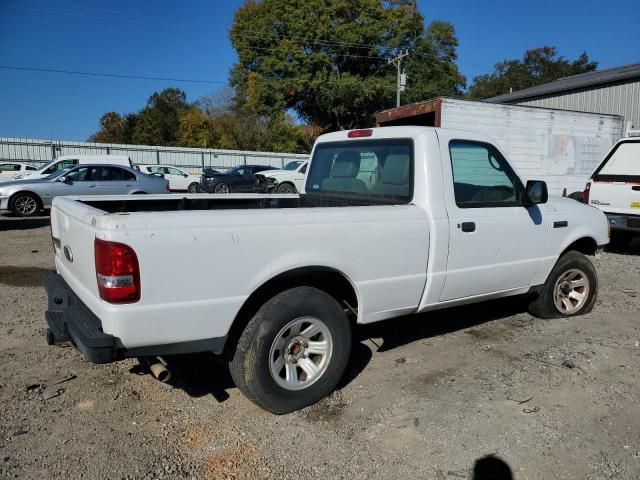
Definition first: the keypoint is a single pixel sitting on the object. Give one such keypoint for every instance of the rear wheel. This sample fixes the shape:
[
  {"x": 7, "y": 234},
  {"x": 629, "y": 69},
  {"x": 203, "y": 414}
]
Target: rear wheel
[
  {"x": 222, "y": 188},
  {"x": 25, "y": 204},
  {"x": 193, "y": 188},
  {"x": 293, "y": 352},
  {"x": 286, "y": 188},
  {"x": 570, "y": 289}
]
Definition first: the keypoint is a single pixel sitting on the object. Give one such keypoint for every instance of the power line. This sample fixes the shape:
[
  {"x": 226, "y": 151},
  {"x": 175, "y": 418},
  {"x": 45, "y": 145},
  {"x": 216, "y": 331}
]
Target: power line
[{"x": 110, "y": 75}]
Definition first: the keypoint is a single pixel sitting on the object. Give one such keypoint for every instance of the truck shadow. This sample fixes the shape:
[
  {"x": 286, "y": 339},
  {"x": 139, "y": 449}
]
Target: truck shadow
[
  {"x": 205, "y": 374},
  {"x": 11, "y": 222},
  {"x": 633, "y": 248}
]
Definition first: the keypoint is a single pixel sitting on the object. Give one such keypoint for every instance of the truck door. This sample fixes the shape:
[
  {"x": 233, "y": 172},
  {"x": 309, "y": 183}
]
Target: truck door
[{"x": 496, "y": 244}]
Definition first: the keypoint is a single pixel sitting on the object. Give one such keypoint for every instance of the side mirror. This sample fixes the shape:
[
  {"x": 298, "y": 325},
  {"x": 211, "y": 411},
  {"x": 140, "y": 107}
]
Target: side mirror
[
  {"x": 536, "y": 192},
  {"x": 185, "y": 175},
  {"x": 62, "y": 178}
]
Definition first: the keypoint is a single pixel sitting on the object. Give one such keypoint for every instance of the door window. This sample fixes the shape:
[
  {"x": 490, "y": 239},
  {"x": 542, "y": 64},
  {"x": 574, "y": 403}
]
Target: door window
[
  {"x": 56, "y": 167},
  {"x": 174, "y": 171},
  {"x": 9, "y": 167},
  {"x": 83, "y": 174},
  {"x": 481, "y": 176},
  {"x": 114, "y": 174}
]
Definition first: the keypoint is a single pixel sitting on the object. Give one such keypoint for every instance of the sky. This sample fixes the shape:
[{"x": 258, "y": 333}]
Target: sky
[{"x": 190, "y": 40}]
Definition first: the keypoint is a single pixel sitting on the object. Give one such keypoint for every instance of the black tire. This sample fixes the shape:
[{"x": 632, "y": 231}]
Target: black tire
[
  {"x": 544, "y": 305},
  {"x": 221, "y": 186},
  {"x": 286, "y": 188},
  {"x": 250, "y": 364},
  {"x": 25, "y": 204},
  {"x": 193, "y": 188},
  {"x": 620, "y": 239}
]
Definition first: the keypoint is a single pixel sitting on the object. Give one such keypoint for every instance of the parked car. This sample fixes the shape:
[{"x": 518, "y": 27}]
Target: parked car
[
  {"x": 446, "y": 222},
  {"x": 67, "y": 161},
  {"x": 10, "y": 169},
  {"x": 614, "y": 188},
  {"x": 28, "y": 197},
  {"x": 179, "y": 180},
  {"x": 290, "y": 179},
  {"x": 236, "y": 179}
]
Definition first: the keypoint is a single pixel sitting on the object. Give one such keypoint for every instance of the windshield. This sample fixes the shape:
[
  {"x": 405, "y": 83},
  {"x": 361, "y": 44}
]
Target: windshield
[
  {"x": 371, "y": 170},
  {"x": 58, "y": 173},
  {"x": 231, "y": 171},
  {"x": 292, "y": 165}
]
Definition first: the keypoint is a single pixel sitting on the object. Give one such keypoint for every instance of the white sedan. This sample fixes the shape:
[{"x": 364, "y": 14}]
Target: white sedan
[
  {"x": 290, "y": 179},
  {"x": 178, "y": 179},
  {"x": 9, "y": 169}
]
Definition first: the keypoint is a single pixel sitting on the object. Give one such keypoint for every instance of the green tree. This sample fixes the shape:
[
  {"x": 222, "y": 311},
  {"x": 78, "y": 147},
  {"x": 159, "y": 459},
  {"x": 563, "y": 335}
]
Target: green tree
[
  {"x": 114, "y": 128},
  {"x": 158, "y": 122},
  {"x": 538, "y": 66},
  {"x": 196, "y": 129},
  {"x": 328, "y": 59}
]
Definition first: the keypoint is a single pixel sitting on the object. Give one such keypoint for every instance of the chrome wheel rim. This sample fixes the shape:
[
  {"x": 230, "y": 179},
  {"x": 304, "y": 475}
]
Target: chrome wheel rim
[
  {"x": 300, "y": 353},
  {"x": 25, "y": 205},
  {"x": 222, "y": 188},
  {"x": 571, "y": 291}
]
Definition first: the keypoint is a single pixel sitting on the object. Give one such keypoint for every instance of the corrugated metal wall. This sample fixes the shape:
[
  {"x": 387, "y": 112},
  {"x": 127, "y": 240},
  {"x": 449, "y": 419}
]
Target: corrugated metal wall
[
  {"x": 562, "y": 148},
  {"x": 619, "y": 99},
  {"x": 39, "y": 152}
]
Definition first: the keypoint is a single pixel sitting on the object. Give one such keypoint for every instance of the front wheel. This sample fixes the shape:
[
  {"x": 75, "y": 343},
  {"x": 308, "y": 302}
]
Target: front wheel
[
  {"x": 25, "y": 204},
  {"x": 222, "y": 188},
  {"x": 193, "y": 188},
  {"x": 286, "y": 188},
  {"x": 571, "y": 288},
  {"x": 293, "y": 352}
]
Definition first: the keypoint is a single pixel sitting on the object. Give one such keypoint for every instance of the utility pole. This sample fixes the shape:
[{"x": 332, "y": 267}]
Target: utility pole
[{"x": 402, "y": 78}]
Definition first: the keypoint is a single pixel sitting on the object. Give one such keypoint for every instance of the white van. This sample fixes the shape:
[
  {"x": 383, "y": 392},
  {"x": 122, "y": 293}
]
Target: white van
[
  {"x": 614, "y": 188},
  {"x": 67, "y": 161}
]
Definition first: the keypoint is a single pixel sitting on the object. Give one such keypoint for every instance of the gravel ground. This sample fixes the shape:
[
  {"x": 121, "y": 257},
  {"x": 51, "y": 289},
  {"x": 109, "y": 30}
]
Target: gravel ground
[{"x": 431, "y": 396}]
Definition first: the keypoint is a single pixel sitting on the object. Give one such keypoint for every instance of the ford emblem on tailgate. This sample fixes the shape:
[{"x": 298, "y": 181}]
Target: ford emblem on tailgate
[{"x": 68, "y": 254}]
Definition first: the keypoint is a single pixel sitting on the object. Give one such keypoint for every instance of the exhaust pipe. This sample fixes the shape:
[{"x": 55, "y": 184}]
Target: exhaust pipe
[{"x": 158, "y": 368}]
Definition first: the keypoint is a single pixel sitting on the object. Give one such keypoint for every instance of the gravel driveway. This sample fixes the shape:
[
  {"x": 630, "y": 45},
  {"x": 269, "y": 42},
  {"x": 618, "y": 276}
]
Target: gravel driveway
[{"x": 435, "y": 396}]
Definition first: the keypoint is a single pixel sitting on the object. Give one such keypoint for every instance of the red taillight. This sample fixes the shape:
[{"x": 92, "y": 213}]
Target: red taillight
[
  {"x": 117, "y": 272},
  {"x": 360, "y": 133},
  {"x": 585, "y": 193}
]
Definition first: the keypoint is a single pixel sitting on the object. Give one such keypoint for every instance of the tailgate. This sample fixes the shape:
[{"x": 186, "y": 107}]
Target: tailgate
[
  {"x": 73, "y": 235},
  {"x": 616, "y": 197}
]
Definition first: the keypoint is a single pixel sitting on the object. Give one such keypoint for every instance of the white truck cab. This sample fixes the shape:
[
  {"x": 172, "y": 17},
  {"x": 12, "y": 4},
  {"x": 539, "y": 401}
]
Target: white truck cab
[
  {"x": 614, "y": 188},
  {"x": 66, "y": 161},
  {"x": 393, "y": 221}
]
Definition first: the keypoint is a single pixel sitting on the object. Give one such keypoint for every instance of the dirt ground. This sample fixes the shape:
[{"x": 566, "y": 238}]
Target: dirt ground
[{"x": 427, "y": 397}]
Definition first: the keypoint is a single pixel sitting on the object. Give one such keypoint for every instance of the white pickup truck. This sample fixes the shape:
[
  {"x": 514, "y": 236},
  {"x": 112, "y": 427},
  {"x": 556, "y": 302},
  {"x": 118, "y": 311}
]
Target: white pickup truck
[
  {"x": 614, "y": 188},
  {"x": 275, "y": 283}
]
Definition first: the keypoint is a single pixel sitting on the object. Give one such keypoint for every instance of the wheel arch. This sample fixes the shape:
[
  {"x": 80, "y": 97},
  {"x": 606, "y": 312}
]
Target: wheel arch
[
  {"x": 327, "y": 279},
  {"x": 13, "y": 196},
  {"x": 586, "y": 245}
]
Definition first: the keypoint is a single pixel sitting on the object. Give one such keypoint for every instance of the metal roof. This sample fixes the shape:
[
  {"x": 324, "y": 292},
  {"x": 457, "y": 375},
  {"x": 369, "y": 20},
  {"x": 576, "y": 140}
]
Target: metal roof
[{"x": 574, "y": 82}]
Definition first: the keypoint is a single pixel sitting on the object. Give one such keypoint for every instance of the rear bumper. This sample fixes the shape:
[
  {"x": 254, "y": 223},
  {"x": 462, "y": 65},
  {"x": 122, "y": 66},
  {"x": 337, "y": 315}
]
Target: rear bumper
[
  {"x": 630, "y": 223},
  {"x": 70, "y": 320}
]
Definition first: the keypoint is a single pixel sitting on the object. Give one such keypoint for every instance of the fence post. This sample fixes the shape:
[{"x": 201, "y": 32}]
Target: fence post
[
  {"x": 244, "y": 157},
  {"x": 158, "y": 157},
  {"x": 53, "y": 151},
  {"x": 108, "y": 151},
  {"x": 202, "y": 158}
]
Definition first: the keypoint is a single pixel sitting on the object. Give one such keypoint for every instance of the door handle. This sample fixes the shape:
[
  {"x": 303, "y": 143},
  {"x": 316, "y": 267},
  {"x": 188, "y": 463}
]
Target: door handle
[
  {"x": 467, "y": 227},
  {"x": 129, "y": 185},
  {"x": 92, "y": 186}
]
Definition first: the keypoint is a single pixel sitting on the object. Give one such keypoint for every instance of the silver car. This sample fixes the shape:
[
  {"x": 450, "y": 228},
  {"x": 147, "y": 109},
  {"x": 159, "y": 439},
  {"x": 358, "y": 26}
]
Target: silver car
[{"x": 27, "y": 197}]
